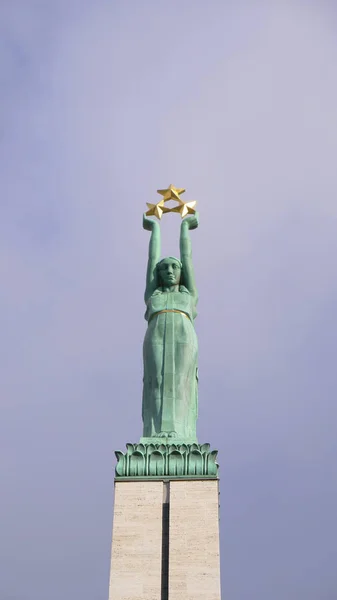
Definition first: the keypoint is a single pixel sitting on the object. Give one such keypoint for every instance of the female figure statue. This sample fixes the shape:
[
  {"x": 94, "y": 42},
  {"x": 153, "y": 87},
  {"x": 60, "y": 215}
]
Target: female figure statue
[{"x": 170, "y": 350}]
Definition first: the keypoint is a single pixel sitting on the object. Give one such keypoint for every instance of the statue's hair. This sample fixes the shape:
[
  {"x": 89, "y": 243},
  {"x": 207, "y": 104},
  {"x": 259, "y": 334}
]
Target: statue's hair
[
  {"x": 172, "y": 258},
  {"x": 159, "y": 282}
]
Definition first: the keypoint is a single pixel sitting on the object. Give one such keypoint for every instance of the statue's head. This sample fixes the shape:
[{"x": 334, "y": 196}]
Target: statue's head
[{"x": 169, "y": 271}]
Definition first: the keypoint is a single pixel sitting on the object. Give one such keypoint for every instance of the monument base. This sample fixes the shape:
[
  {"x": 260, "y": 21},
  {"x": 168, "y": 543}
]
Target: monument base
[
  {"x": 170, "y": 459},
  {"x": 165, "y": 541}
]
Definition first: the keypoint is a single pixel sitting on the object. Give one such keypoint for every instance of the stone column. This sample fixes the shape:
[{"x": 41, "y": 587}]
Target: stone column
[
  {"x": 137, "y": 541},
  {"x": 194, "y": 553}
]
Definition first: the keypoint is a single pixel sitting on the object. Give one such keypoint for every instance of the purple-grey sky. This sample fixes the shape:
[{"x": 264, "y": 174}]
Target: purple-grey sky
[{"x": 102, "y": 102}]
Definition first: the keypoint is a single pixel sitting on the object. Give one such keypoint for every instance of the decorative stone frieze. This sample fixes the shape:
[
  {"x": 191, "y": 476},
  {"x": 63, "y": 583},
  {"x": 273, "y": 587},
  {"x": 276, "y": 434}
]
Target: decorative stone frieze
[{"x": 167, "y": 460}]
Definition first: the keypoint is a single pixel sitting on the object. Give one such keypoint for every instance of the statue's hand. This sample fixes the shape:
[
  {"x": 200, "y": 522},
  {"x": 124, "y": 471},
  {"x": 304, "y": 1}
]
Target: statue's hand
[
  {"x": 191, "y": 222},
  {"x": 149, "y": 224}
]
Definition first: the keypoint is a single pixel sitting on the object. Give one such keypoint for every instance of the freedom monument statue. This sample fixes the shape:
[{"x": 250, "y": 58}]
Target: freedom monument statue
[
  {"x": 165, "y": 543},
  {"x": 170, "y": 351}
]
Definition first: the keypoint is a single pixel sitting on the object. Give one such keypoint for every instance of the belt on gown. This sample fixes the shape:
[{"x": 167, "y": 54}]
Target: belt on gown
[{"x": 169, "y": 310}]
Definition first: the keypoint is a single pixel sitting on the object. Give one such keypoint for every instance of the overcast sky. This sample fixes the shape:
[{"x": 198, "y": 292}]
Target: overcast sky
[{"x": 102, "y": 102}]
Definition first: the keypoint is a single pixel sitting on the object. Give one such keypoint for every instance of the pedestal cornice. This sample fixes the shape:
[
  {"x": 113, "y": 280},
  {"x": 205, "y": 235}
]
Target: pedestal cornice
[{"x": 167, "y": 460}]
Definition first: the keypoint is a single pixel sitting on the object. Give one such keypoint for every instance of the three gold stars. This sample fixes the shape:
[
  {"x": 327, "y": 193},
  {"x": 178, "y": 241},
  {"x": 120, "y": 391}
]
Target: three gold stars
[{"x": 171, "y": 193}]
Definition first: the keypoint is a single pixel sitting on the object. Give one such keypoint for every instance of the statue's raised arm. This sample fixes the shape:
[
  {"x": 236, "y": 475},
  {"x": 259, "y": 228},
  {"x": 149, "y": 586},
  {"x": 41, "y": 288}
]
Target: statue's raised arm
[
  {"x": 154, "y": 256},
  {"x": 186, "y": 253}
]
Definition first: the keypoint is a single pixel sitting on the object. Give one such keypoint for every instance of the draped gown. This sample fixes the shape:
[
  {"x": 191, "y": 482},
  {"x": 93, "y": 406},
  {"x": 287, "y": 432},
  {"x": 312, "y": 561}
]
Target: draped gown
[{"x": 170, "y": 353}]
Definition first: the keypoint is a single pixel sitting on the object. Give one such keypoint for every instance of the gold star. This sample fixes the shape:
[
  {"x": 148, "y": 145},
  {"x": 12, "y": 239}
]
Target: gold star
[
  {"x": 171, "y": 193},
  {"x": 157, "y": 210},
  {"x": 185, "y": 208}
]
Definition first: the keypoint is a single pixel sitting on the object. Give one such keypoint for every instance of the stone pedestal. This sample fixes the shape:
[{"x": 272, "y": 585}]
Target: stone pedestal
[
  {"x": 165, "y": 543},
  {"x": 137, "y": 541},
  {"x": 194, "y": 554}
]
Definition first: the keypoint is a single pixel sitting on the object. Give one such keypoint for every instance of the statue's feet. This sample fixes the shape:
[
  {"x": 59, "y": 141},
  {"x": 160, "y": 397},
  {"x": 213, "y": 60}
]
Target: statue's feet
[{"x": 170, "y": 434}]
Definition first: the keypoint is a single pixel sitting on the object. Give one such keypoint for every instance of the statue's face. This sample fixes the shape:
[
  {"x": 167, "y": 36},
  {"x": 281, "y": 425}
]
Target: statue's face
[{"x": 170, "y": 272}]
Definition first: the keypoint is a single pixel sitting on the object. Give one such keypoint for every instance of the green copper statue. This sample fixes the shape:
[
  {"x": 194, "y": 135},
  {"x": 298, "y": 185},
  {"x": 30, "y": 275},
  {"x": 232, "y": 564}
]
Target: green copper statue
[
  {"x": 169, "y": 446},
  {"x": 170, "y": 351}
]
